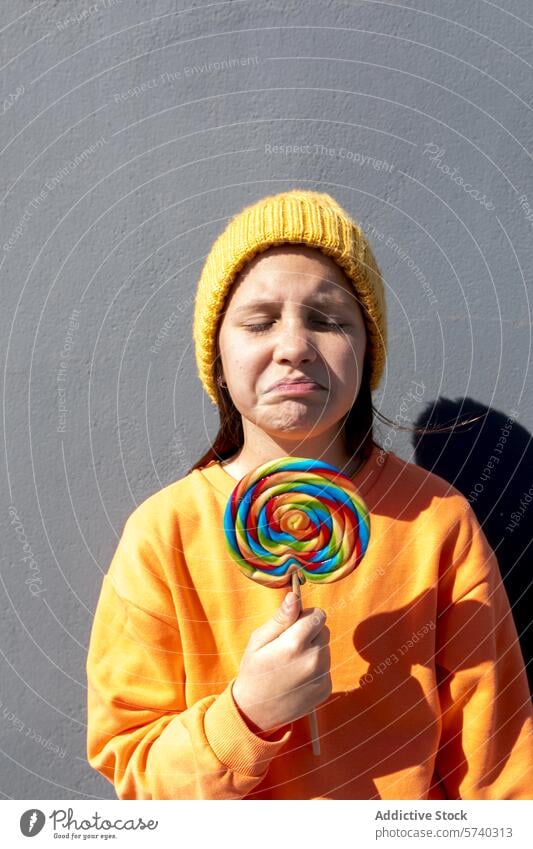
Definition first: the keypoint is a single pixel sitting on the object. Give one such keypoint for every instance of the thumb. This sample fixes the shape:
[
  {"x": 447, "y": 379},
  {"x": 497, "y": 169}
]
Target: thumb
[{"x": 285, "y": 616}]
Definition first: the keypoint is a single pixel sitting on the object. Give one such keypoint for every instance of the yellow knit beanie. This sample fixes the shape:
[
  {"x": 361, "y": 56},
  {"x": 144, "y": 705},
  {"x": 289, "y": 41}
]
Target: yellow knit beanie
[{"x": 301, "y": 217}]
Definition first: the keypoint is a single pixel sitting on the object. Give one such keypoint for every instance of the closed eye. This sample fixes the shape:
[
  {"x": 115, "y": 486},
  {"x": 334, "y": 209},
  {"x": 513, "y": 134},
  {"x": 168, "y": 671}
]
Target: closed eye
[{"x": 262, "y": 328}]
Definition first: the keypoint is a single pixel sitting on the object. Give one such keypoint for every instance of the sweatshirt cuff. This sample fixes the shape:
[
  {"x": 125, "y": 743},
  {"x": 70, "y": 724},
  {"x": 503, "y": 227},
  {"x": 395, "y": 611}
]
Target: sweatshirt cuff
[{"x": 234, "y": 743}]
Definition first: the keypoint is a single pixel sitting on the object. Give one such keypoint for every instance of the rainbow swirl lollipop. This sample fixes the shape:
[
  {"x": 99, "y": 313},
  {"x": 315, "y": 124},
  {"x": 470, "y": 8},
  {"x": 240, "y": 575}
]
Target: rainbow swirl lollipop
[{"x": 300, "y": 515}]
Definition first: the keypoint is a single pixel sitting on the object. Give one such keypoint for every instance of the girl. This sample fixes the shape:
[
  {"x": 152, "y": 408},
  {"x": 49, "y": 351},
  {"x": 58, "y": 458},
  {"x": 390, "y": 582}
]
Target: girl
[{"x": 200, "y": 681}]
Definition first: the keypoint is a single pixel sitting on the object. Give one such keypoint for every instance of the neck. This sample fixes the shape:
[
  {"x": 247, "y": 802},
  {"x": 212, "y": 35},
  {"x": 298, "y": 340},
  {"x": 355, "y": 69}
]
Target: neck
[{"x": 260, "y": 447}]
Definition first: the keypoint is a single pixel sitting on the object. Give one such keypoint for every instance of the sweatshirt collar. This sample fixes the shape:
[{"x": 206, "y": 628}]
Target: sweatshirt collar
[{"x": 364, "y": 479}]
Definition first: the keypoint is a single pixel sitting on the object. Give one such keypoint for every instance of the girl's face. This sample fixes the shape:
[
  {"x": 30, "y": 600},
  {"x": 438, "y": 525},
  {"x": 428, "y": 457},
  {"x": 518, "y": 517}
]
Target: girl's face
[{"x": 292, "y": 314}]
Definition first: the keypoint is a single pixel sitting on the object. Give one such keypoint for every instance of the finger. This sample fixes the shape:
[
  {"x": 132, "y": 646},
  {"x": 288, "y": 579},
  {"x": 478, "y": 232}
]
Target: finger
[
  {"x": 305, "y": 629},
  {"x": 284, "y": 617},
  {"x": 322, "y": 638}
]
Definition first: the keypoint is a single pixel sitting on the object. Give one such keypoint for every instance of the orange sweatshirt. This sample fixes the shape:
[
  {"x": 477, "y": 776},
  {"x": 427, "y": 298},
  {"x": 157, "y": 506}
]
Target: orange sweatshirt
[{"x": 430, "y": 697}]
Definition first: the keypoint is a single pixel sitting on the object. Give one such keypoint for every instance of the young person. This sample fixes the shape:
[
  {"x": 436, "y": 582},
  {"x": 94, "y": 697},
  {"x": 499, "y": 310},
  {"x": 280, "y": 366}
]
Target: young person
[{"x": 200, "y": 680}]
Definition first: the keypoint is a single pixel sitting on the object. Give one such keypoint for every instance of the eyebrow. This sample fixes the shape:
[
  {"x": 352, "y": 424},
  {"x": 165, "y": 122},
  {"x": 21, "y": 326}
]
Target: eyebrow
[{"x": 320, "y": 299}]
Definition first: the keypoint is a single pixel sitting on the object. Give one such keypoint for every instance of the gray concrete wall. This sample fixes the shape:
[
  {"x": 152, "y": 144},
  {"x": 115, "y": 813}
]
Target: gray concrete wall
[{"x": 130, "y": 132}]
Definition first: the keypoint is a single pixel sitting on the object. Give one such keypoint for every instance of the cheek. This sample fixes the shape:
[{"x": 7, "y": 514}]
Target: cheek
[
  {"x": 243, "y": 360},
  {"x": 345, "y": 366},
  {"x": 349, "y": 355},
  {"x": 234, "y": 366},
  {"x": 230, "y": 356},
  {"x": 242, "y": 373}
]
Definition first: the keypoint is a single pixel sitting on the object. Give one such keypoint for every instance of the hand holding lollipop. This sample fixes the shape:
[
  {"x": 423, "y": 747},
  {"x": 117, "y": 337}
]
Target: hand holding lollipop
[{"x": 296, "y": 519}]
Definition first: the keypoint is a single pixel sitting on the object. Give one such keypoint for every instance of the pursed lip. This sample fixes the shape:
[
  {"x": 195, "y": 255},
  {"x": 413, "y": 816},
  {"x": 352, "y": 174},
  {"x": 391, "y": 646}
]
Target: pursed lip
[{"x": 294, "y": 381}]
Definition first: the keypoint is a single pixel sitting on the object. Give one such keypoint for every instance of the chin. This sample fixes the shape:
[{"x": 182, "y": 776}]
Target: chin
[{"x": 299, "y": 427}]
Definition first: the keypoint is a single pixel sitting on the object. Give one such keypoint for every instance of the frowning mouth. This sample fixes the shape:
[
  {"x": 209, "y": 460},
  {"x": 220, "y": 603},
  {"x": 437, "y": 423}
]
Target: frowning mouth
[{"x": 301, "y": 387}]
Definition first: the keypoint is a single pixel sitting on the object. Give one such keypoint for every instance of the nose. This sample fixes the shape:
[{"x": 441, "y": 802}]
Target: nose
[{"x": 294, "y": 345}]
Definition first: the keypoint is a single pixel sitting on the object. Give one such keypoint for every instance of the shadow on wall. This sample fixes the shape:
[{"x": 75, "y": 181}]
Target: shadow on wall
[{"x": 491, "y": 463}]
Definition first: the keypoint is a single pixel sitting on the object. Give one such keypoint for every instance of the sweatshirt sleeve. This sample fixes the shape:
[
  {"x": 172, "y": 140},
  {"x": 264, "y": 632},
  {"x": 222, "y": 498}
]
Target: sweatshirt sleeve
[
  {"x": 486, "y": 749},
  {"x": 141, "y": 735}
]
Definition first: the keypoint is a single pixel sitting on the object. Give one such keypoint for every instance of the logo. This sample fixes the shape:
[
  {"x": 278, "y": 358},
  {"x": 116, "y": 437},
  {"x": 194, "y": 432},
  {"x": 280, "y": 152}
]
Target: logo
[{"x": 31, "y": 822}]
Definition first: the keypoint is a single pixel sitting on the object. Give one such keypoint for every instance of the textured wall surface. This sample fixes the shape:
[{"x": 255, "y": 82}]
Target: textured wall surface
[{"x": 129, "y": 133}]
